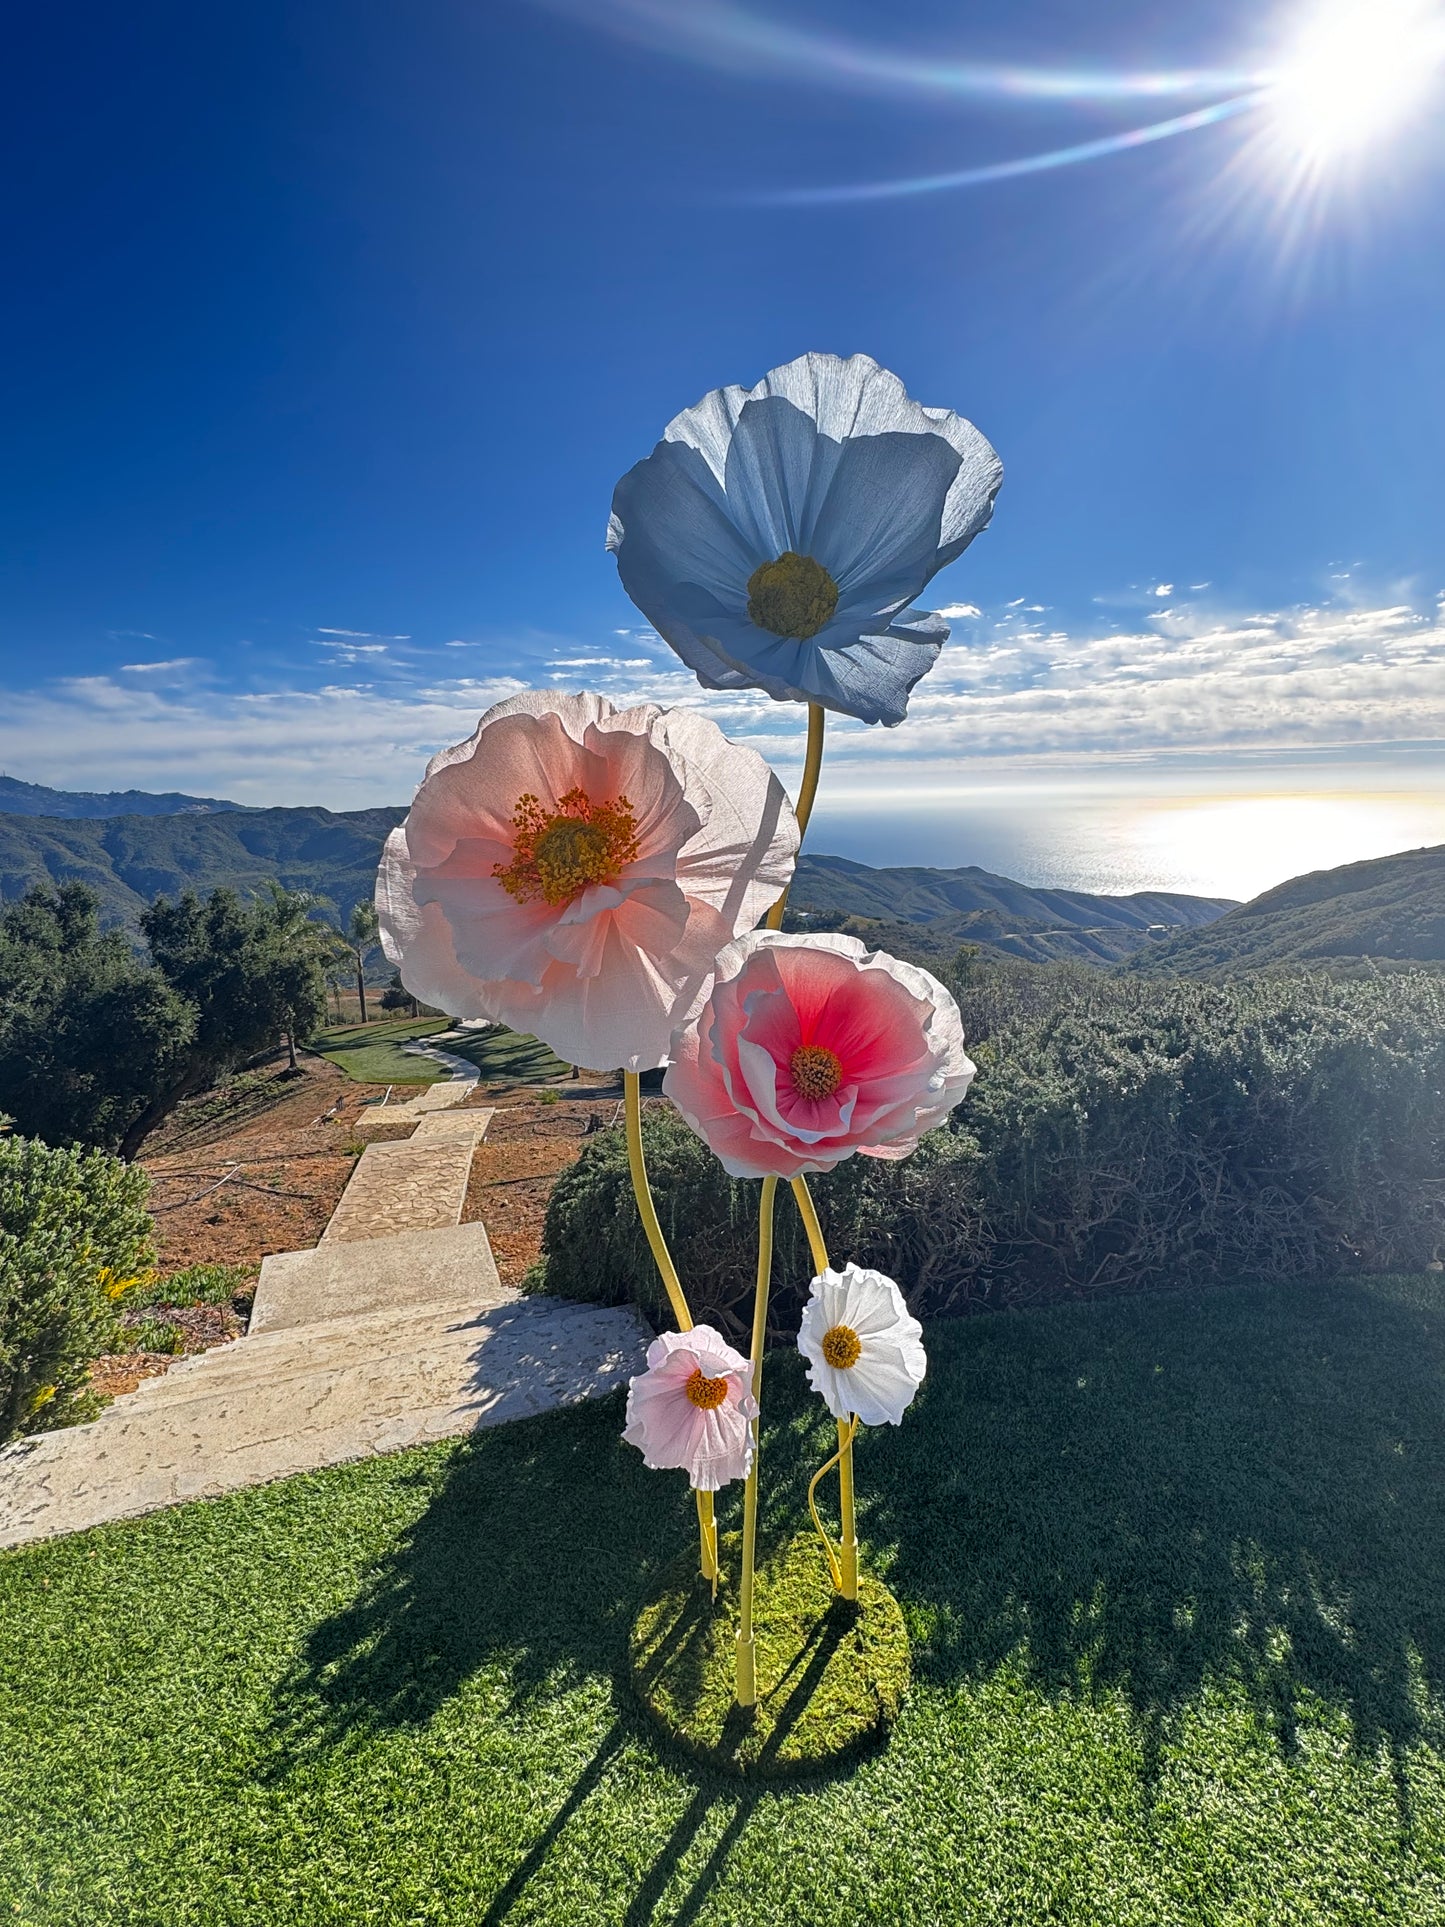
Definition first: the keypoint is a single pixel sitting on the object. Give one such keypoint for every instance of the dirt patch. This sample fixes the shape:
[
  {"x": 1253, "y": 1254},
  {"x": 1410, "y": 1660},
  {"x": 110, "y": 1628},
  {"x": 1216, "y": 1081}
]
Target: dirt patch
[
  {"x": 255, "y": 1167},
  {"x": 530, "y": 1140}
]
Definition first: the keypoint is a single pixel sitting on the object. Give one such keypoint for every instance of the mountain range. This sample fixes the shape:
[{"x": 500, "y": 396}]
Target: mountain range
[
  {"x": 34, "y": 799},
  {"x": 1389, "y": 908}
]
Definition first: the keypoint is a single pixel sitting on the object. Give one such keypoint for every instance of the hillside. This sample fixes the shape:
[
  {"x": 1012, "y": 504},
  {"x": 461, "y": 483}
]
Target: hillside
[
  {"x": 935, "y": 911},
  {"x": 1390, "y": 908},
  {"x": 129, "y": 860},
  {"x": 34, "y": 799}
]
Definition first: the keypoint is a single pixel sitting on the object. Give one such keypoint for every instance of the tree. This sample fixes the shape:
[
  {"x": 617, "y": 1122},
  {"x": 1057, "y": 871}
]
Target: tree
[
  {"x": 90, "y": 1035},
  {"x": 362, "y": 932},
  {"x": 99, "y": 1045}
]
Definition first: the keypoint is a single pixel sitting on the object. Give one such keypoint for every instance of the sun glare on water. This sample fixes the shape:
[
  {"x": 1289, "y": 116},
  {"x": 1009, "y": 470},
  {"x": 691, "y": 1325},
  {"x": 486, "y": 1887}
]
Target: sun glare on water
[{"x": 1354, "y": 71}]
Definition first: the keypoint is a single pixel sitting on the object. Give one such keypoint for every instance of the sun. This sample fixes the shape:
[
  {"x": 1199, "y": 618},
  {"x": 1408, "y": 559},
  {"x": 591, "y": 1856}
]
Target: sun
[{"x": 1354, "y": 71}]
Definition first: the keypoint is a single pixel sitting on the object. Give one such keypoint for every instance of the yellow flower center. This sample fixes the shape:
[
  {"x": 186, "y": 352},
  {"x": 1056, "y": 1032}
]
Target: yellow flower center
[
  {"x": 709, "y": 1393},
  {"x": 794, "y": 596},
  {"x": 815, "y": 1070},
  {"x": 842, "y": 1347},
  {"x": 558, "y": 855}
]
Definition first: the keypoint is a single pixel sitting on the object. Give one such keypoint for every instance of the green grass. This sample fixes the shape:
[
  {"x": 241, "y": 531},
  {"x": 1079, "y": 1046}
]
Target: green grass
[
  {"x": 1174, "y": 1571},
  {"x": 501, "y": 1054},
  {"x": 372, "y": 1053}
]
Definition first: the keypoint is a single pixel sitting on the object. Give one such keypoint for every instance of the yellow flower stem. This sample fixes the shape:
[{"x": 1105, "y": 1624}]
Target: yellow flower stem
[
  {"x": 747, "y": 1670},
  {"x": 803, "y": 808},
  {"x": 844, "y": 1567},
  {"x": 672, "y": 1285}
]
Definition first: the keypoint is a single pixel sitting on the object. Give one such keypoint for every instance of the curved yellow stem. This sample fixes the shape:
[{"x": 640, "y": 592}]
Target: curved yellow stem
[
  {"x": 844, "y": 1565},
  {"x": 804, "y": 1199},
  {"x": 672, "y": 1284},
  {"x": 646, "y": 1209},
  {"x": 834, "y": 1564},
  {"x": 803, "y": 808},
  {"x": 747, "y": 1672}
]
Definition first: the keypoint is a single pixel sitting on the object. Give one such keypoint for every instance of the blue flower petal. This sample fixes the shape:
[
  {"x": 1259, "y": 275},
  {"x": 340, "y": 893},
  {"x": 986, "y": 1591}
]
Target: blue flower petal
[{"x": 829, "y": 458}]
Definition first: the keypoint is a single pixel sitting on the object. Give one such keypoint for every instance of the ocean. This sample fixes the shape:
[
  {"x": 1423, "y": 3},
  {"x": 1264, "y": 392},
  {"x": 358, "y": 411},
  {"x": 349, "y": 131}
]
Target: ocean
[{"x": 1214, "y": 845}]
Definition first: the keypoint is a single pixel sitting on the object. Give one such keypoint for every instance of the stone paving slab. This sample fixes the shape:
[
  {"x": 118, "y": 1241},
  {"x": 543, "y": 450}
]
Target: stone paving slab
[
  {"x": 457, "y": 1125},
  {"x": 404, "y": 1186},
  {"x": 428, "y": 1268},
  {"x": 378, "y": 1383}
]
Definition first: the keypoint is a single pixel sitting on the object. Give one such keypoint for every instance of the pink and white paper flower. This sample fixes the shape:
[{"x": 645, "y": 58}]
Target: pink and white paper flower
[
  {"x": 809, "y": 1049},
  {"x": 692, "y": 1408},
  {"x": 863, "y": 1346},
  {"x": 573, "y": 870}
]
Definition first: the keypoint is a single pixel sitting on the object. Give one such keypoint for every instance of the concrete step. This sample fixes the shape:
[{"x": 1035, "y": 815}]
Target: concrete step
[
  {"x": 340, "y": 1278},
  {"x": 313, "y": 1395},
  {"x": 394, "y": 1332}
]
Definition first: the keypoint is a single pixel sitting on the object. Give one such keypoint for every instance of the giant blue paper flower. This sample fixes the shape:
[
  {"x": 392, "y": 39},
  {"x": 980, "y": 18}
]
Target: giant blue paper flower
[{"x": 776, "y": 536}]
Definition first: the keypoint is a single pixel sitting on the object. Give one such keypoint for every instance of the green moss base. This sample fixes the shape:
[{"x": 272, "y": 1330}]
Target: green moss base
[{"x": 831, "y": 1675}]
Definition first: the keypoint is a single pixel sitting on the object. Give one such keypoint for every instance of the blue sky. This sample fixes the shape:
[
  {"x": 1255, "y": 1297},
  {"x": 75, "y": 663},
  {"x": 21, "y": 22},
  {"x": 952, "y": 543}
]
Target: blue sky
[{"x": 329, "y": 329}]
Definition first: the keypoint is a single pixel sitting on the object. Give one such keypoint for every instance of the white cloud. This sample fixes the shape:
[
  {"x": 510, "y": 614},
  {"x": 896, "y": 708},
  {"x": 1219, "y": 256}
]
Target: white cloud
[
  {"x": 959, "y": 611},
  {"x": 154, "y": 668},
  {"x": 362, "y": 635},
  {"x": 1006, "y": 700}
]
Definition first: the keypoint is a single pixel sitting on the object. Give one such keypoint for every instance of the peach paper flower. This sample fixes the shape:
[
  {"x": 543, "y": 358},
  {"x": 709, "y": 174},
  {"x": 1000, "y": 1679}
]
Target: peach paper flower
[
  {"x": 573, "y": 870},
  {"x": 692, "y": 1408},
  {"x": 809, "y": 1049}
]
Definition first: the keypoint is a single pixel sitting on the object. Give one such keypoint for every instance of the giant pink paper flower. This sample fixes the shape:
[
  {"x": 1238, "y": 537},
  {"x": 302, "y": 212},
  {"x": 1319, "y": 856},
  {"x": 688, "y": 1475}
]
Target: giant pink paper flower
[
  {"x": 573, "y": 870},
  {"x": 692, "y": 1408},
  {"x": 809, "y": 1049}
]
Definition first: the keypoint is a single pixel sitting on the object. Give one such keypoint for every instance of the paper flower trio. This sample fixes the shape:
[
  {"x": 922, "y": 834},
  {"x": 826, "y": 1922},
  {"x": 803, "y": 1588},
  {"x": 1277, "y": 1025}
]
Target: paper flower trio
[{"x": 596, "y": 876}]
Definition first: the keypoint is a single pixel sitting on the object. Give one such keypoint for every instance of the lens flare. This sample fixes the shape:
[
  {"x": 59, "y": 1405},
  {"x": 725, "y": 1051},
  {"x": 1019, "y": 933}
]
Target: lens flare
[
  {"x": 721, "y": 34},
  {"x": 1011, "y": 169},
  {"x": 1355, "y": 69}
]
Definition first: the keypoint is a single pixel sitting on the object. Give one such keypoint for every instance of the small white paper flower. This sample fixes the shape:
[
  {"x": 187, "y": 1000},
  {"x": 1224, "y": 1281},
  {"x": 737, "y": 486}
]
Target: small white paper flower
[
  {"x": 863, "y": 1346},
  {"x": 692, "y": 1408}
]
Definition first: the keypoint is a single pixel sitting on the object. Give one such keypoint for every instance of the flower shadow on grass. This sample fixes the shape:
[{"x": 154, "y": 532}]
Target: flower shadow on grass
[
  {"x": 1126, "y": 1500},
  {"x": 1139, "y": 1497}
]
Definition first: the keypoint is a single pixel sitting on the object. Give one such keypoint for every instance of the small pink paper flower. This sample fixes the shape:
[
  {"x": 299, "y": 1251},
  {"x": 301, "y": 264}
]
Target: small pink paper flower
[
  {"x": 809, "y": 1049},
  {"x": 573, "y": 870},
  {"x": 692, "y": 1408}
]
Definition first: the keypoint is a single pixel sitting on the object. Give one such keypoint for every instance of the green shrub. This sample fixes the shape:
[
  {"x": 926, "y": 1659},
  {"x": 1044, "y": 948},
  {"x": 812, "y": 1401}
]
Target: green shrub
[
  {"x": 74, "y": 1234},
  {"x": 1135, "y": 1136},
  {"x": 874, "y": 1210}
]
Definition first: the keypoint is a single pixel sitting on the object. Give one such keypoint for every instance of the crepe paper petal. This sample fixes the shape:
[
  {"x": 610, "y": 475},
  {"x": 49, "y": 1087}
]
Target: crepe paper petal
[
  {"x": 863, "y": 1347},
  {"x": 692, "y": 1409},
  {"x": 573, "y": 870},
  {"x": 776, "y": 536},
  {"x": 810, "y": 1048}
]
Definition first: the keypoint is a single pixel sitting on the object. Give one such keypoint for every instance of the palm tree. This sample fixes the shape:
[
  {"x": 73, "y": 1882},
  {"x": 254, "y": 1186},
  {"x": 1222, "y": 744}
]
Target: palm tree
[{"x": 361, "y": 936}]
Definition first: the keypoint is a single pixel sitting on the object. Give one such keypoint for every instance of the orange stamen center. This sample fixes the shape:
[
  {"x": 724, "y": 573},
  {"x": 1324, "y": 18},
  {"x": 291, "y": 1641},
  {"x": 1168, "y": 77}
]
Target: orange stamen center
[
  {"x": 842, "y": 1347},
  {"x": 709, "y": 1393},
  {"x": 815, "y": 1070},
  {"x": 559, "y": 854}
]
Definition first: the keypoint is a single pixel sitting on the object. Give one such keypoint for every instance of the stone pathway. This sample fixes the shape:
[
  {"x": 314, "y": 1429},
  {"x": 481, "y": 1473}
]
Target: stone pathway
[{"x": 392, "y": 1331}]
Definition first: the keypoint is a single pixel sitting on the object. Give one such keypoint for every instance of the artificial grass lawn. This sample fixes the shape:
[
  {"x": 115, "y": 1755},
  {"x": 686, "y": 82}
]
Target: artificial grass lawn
[
  {"x": 372, "y": 1053},
  {"x": 1174, "y": 1571}
]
